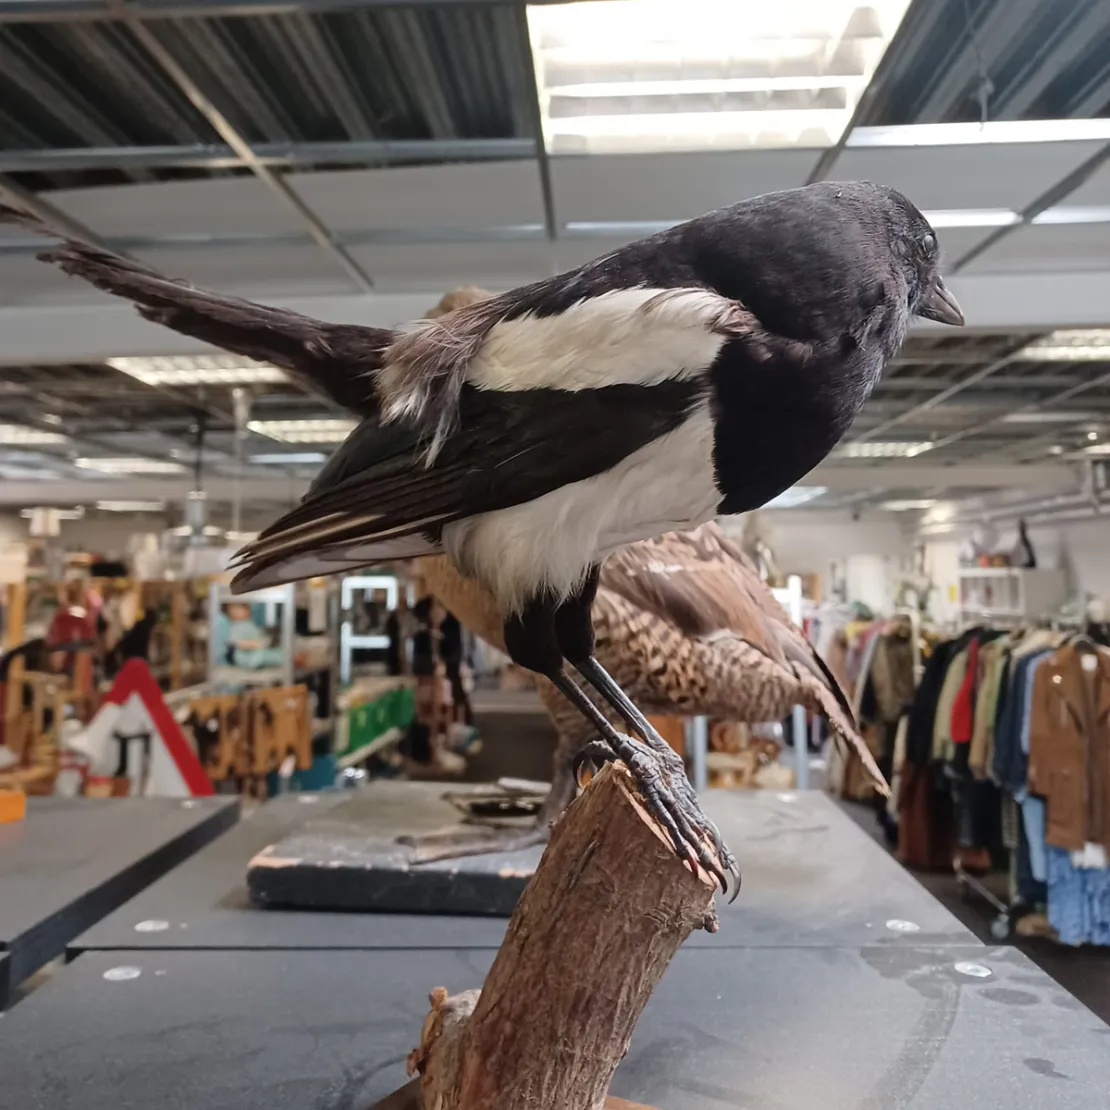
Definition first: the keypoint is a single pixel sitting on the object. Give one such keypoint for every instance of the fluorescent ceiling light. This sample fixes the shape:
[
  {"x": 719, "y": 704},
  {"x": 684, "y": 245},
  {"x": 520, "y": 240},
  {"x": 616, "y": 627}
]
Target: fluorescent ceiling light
[
  {"x": 941, "y": 513},
  {"x": 1045, "y": 417},
  {"x": 290, "y": 458},
  {"x": 1074, "y": 214},
  {"x": 185, "y": 370},
  {"x": 58, "y": 514},
  {"x": 716, "y": 74},
  {"x": 1070, "y": 345},
  {"x": 882, "y": 449},
  {"x": 1097, "y": 449},
  {"x": 130, "y": 465},
  {"x": 187, "y": 530},
  {"x": 131, "y": 506},
  {"x": 304, "y": 431},
  {"x": 908, "y": 505},
  {"x": 795, "y": 496},
  {"x": 705, "y": 86},
  {"x": 634, "y": 229},
  {"x": 978, "y": 134},
  {"x": 19, "y": 435},
  {"x": 972, "y": 217}
]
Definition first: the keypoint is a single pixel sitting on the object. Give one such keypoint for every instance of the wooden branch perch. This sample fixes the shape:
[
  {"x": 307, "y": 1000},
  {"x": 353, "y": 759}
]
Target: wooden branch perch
[{"x": 605, "y": 912}]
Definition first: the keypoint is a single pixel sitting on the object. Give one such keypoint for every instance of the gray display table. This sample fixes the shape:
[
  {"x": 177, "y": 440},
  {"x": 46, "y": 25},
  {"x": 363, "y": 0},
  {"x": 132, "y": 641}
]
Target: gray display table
[
  {"x": 811, "y": 878},
  {"x": 70, "y": 861},
  {"x": 873, "y": 1028}
]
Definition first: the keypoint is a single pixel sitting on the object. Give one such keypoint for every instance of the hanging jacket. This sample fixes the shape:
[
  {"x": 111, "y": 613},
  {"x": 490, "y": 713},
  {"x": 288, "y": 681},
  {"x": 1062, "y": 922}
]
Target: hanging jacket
[
  {"x": 1069, "y": 744},
  {"x": 964, "y": 701}
]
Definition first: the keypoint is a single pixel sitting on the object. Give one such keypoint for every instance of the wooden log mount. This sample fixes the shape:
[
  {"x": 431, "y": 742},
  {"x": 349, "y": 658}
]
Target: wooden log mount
[{"x": 605, "y": 912}]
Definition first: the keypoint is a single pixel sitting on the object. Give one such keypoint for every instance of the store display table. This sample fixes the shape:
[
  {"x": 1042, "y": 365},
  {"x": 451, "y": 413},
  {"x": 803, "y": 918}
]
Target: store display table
[
  {"x": 70, "y": 861},
  {"x": 811, "y": 878},
  {"x": 838, "y": 1028}
]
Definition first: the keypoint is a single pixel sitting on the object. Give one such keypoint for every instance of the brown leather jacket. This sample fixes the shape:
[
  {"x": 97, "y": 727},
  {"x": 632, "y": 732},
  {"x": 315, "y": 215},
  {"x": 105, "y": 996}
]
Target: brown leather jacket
[{"x": 1069, "y": 744}]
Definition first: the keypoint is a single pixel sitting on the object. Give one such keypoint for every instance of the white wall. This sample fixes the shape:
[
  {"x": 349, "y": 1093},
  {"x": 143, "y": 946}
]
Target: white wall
[
  {"x": 869, "y": 553},
  {"x": 1082, "y": 548},
  {"x": 942, "y": 565},
  {"x": 107, "y": 535}
]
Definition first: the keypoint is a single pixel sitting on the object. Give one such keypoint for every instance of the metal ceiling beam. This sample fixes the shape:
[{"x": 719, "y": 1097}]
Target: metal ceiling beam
[
  {"x": 223, "y": 127},
  {"x": 393, "y": 237},
  {"x": 535, "y": 114},
  {"x": 68, "y": 11},
  {"x": 1031, "y": 406},
  {"x": 1037, "y": 444},
  {"x": 910, "y": 383},
  {"x": 282, "y": 488},
  {"x": 219, "y": 156},
  {"x": 944, "y": 395},
  {"x": 882, "y": 75},
  {"x": 1048, "y": 199}
]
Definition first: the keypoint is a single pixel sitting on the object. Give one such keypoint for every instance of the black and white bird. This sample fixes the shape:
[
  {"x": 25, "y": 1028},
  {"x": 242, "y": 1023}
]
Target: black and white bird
[{"x": 695, "y": 373}]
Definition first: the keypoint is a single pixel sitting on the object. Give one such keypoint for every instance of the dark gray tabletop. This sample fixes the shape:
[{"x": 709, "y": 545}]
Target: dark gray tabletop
[
  {"x": 778, "y": 1029},
  {"x": 811, "y": 877},
  {"x": 70, "y": 861}
]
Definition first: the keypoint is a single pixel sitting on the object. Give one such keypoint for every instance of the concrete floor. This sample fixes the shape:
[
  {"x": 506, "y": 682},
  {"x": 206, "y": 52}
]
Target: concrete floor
[
  {"x": 1083, "y": 972},
  {"x": 518, "y": 741}
]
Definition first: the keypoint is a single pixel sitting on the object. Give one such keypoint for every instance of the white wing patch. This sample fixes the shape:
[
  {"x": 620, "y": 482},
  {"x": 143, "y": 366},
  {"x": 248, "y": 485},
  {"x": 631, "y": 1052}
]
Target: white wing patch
[
  {"x": 625, "y": 336},
  {"x": 665, "y": 486}
]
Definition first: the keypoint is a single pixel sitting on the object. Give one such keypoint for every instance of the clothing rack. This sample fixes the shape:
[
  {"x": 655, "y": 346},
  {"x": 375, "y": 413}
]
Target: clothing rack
[{"x": 1004, "y": 754}]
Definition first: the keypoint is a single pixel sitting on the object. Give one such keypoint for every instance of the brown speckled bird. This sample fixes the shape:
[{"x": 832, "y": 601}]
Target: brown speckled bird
[{"x": 685, "y": 624}]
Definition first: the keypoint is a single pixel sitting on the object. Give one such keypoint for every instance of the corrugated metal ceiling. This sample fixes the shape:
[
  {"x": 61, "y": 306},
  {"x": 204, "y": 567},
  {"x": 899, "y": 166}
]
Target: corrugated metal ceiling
[{"x": 421, "y": 73}]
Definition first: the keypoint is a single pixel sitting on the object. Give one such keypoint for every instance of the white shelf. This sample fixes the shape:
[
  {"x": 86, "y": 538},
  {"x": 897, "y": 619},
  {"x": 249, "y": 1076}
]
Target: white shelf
[{"x": 1011, "y": 593}]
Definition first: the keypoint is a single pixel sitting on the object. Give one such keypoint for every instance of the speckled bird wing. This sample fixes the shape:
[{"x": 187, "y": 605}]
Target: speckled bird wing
[{"x": 720, "y": 627}]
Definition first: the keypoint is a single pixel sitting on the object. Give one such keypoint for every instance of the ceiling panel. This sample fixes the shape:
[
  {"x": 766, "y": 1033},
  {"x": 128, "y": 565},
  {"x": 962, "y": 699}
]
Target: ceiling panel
[
  {"x": 223, "y": 206},
  {"x": 1050, "y": 248},
  {"x": 1095, "y": 191},
  {"x": 571, "y": 253},
  {"x": 951, "y": 177},
  {"x": 955, "y": 242},
  {"x": 487, "y": 194},
  {"x": 445, "y": 266},
  {"x": 275, "y": 271},
  {"x": 623, "y": 187},
  {"x": 26, "y": 281}
]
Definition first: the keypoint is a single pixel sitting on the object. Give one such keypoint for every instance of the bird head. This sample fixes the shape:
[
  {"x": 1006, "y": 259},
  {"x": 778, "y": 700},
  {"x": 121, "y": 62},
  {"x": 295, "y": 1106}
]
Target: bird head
[
  {"x": 827, "y": 259},
  {"x": 913, "y": 244}
]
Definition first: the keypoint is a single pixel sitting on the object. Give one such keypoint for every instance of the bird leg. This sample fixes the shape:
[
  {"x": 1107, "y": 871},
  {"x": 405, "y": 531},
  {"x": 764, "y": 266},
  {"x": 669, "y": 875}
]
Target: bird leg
[{"x": 657, "y": 769}]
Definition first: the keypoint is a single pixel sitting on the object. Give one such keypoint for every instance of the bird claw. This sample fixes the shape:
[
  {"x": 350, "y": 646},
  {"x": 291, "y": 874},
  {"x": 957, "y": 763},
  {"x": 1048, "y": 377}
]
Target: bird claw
[{"x": 661, "y": 779}]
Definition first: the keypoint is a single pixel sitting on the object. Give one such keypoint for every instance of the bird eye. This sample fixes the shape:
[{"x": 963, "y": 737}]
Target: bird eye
[{"x": 929, "y": 243}]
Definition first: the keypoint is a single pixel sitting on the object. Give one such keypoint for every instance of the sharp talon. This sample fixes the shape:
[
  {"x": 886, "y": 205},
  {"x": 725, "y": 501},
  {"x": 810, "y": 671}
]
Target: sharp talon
[{"x": 736, "y": 889}]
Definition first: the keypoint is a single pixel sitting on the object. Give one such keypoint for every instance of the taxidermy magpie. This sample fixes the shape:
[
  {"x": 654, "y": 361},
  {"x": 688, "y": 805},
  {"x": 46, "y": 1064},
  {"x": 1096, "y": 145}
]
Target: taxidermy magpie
[{"x": 701, "y": 371}]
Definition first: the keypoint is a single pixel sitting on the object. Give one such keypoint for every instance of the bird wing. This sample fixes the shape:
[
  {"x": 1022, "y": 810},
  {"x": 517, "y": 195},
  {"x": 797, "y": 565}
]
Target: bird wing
[
  {"x": 379, "y": 498},
  {"x": 702, "y": 583},
  {"x": 333, "y": 358}
]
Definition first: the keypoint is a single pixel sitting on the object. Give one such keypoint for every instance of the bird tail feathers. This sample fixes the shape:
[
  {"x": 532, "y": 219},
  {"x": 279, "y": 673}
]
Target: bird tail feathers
[
  {"x": 336, "y": 359},
  {"x": 846, "y": 735}
]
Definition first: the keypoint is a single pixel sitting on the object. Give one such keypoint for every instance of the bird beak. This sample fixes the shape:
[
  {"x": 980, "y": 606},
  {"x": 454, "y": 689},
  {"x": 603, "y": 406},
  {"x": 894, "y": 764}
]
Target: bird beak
[{"x": 940, "y": 305}]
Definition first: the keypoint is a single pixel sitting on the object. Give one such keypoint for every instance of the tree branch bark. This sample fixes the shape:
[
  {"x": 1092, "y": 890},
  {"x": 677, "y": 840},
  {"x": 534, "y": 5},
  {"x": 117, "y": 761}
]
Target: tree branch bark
[{"x": 605, "y": 912}]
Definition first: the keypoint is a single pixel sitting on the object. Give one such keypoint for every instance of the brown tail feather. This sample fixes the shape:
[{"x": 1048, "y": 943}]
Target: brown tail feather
[
  {"x": 846, "y": 734},
  {"x": 337, "y": 359}
]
